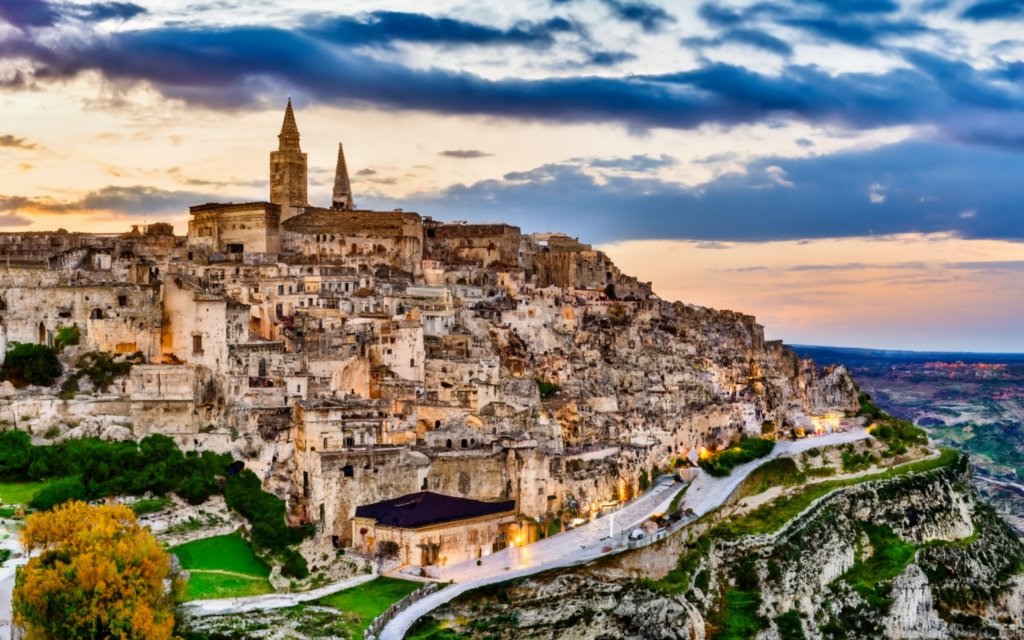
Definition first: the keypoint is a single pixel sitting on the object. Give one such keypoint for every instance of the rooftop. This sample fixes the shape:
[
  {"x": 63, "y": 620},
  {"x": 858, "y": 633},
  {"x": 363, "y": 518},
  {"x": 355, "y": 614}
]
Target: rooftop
[{"x": 425, "y": 508}]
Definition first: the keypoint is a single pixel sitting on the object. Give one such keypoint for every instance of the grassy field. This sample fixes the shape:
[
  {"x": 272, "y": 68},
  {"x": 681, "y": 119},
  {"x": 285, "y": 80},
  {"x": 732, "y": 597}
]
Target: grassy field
[
  {"x": 222, "y": 567},
  {"x": 369, "y": 600},
  {"x": 19, "y": 492}
]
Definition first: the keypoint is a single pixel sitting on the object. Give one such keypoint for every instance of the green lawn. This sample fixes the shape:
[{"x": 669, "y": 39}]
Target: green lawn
[
  {"x": 369, "y": 600},
  {"x": 206, "y": 585},
  {"x": 19, "y": 492},
  {"x": 222, "y": 567}
]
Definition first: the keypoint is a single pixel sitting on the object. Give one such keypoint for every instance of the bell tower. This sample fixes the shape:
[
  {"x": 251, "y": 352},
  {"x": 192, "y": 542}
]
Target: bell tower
[
  {"x": 288, "y": 181},
  {"x": 342, "y": 198}
]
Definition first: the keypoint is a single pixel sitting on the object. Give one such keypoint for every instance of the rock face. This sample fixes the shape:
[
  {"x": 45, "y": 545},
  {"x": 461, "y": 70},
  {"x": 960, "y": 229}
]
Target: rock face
[{"x": 914, "y": 557}]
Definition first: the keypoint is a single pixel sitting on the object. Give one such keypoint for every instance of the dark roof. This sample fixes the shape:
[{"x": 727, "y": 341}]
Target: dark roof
[{"x": 426, "y": 508}]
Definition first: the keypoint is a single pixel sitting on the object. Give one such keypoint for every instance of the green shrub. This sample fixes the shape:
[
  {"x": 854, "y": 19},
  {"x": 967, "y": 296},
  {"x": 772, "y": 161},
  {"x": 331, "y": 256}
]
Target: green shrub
[
  {"x": 58, "y": 492},
  {"x": 723, "y": 462},
  {"x": 27, "y": 364},
  {"x": 266, "y": 512},
  {"x": 547, "y": 389},
  {"x": 293, "y": 564},
  {"x": 66, "y": 337}
]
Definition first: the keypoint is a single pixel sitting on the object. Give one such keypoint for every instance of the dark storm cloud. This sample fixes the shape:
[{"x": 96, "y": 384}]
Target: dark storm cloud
[
  {"x": 386, "y": 27},
  {"x": 242, "y": 66},
  {"x": 929, "y": 187},
  {"x": 994, "y": 10},
  {"x": 649, "y": 17},
  {"x": 26, "y": 14}
]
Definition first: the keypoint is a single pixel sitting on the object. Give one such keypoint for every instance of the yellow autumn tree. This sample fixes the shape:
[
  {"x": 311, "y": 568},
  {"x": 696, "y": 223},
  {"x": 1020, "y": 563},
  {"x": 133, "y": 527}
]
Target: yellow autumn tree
[{"x": 98, "y": 575}]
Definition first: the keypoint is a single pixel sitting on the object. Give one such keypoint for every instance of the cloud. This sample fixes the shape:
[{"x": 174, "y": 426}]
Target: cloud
[
  {"x": 13, "y": 221},
  {"x": 366, "y": 172},
  {"x": 928, "y": 185},
  {"x": 382, "y": 28},
  {"x": 650, "y": 17},
  {"x": 129, "y": 201},
  {"x": 29, "y": 14},
  {"x": 637, "y": 163},
  {"x": 10, "y": 141},
  {"x": 864, "y": 23},
  {"x": 241, "y": 66},
  {"x": 750, "y": 37},
  {"x": 609, "y": 58},
  {"x": 464, "y": 154},
  {"x": 994, "y": 10}
]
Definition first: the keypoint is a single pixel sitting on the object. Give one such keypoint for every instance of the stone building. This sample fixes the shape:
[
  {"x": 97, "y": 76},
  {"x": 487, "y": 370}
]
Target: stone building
[{"x": 434, "y": 529}]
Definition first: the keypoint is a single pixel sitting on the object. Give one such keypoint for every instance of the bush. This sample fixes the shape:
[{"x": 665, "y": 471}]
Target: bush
[
  {"x": 66, "y": 337},
  {"x": 722, "y": 463},
  {"x": 547, "y": 389},
  {"x": 293, "y": 564},
  {"x": 58, "y": 492},
  {"x": 265, "y": 511},
  {"x": 27, "y": 364}
]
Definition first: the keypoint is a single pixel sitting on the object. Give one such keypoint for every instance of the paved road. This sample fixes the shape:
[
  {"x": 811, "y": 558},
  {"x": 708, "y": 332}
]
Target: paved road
[{"x": 586, "y": 543}]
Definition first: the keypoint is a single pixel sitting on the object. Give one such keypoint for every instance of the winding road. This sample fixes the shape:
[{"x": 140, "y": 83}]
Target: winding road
[{"x": 590, "y": 541}]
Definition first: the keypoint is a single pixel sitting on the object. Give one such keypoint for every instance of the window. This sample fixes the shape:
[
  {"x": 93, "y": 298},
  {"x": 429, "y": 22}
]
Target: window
[
  {"x": 412, "y": 362},
  {"x": 325, "y": 443},
  {"x": 122, "y": 300},
  {"x": 347, "y": 471},
  {"x": 448, "y": 443},
  {"x": 197, "y": 344},
  {"x": 350, "y": 441},
  {"x": 465, "y": 443},
  {"x": 280, "y": 289},
  {"x": 97, "y": 314}
]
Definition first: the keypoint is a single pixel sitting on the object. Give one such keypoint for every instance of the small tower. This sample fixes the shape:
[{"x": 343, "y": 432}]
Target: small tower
[
  {"x": 342, "y": 198},
  {"x": 288, "y": 182}
]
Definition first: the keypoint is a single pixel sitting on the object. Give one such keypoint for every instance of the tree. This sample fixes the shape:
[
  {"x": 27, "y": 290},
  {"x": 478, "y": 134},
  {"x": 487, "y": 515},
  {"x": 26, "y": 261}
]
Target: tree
[
  {"x": 27, "y": 364},
  {"x": 98, "y": 575}
]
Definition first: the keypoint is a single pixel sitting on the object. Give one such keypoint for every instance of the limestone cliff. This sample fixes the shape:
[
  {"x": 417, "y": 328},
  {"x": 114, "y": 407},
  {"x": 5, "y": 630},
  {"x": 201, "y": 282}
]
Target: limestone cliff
[{"x": 915, "y": 556}]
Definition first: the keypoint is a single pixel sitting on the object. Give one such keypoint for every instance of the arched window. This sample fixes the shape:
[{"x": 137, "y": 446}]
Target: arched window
[
  {"x": 465, "y": 443},
  {"x": 437, "y": 425},
  {"x": 42, "y": 333},
  {"x": 96, "y": 314},
  {"x": 448, "y": 443}
]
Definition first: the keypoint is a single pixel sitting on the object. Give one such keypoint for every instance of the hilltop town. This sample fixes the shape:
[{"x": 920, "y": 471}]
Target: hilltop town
[{"x": 351, "y": 358}]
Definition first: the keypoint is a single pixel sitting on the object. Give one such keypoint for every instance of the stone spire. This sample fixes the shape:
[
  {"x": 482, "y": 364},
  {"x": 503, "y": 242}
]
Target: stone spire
[
  {"x": 288, "y": 139},
  {"x": 342, "y": 187},
  {"x": 288, "y": 180}
]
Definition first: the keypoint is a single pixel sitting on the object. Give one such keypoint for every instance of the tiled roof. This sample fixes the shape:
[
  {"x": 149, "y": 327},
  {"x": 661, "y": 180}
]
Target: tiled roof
[{"x": 426, "y": 508}]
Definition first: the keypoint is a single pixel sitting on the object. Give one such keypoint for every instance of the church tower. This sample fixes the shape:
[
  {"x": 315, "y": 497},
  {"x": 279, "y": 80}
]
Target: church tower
[
  {"x": 342, "y": 198},
  {"x": 288, "y": 183}
]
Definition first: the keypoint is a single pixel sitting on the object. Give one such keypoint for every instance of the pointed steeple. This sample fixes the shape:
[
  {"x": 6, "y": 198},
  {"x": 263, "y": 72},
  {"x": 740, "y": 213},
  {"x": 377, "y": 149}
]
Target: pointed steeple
[
  {"x": 288, "y": 139},
  {"x": 342, "y": 187}
]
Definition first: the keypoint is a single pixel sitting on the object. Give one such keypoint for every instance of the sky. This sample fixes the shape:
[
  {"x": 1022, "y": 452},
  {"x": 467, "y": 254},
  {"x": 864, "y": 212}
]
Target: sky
[{"x": 849, "y": 172}]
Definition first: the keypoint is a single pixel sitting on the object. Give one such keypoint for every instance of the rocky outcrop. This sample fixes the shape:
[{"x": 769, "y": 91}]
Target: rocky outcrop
[{"x": 913, "y": 557}]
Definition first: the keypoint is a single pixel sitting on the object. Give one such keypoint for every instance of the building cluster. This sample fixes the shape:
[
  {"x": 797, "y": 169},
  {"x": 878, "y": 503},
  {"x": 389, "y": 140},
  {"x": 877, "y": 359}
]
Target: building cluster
[{"x": 443, "y": 385}]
